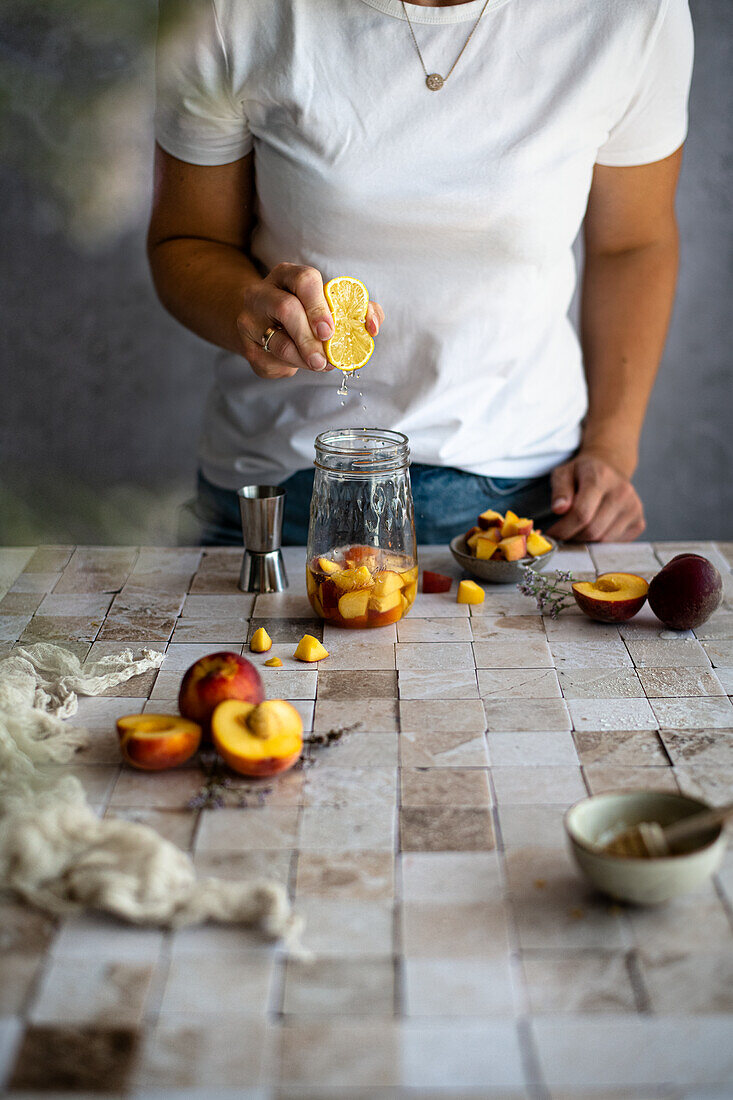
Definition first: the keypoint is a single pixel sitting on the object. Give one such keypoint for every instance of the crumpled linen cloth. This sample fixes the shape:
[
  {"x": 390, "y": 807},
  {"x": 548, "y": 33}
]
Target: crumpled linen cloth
[{"x": 54, "y": 850}]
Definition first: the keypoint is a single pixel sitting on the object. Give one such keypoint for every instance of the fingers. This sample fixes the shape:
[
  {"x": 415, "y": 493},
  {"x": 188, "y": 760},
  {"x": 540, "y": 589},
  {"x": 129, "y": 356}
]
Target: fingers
[
  {"x": 374, "y": 318},
  {"x": 303, "y": 311},
  {"x": 605, "y": 508},
  {"x": 584, "y": 507},
  {"x": 280, "y": 361},
  {"x": 287, "y": 311},
  {"x": 633, "y": 529},
  {"x": 563, "y": 488},
  {"x": 620, "y": 517},
  {"x": 609, "y": 519}
]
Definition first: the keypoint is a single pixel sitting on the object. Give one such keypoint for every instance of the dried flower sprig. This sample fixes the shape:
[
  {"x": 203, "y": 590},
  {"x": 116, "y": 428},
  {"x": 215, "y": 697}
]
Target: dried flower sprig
[
  {"x": 316, "y": 741},
  {"x": 221, "y": 789},
  {"x": 550, "y": 591}
]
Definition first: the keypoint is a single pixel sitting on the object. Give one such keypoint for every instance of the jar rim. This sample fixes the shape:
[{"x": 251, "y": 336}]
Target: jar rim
[
  {"x": 326, "y": 440},
  {"x": 384, "y": 450}
]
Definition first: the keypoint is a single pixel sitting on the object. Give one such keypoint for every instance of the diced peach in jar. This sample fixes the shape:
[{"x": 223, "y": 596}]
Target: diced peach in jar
[
  {"x": 386, "y": 618},
  {"x": 352, "y": 605},
  {"x": 409, "y": 592},
  {"x": 328, "y": 566},
  {"x": 362, "y": 555},
  {"x": 311, "y": 584},
  {"x": 347, "y": 580},
  {"x": 383, "y": 603},
  {"x": 386, "y": 582},
  {"x": 409, "y": 576},
  {"x": 316, "y": 604},
  {"x": 329, "y": 596}
]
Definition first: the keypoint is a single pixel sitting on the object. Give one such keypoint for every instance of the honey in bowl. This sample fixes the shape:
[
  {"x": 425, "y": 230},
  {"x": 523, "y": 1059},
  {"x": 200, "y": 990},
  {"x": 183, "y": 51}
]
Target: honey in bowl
[{"x": 361, "y": 586}]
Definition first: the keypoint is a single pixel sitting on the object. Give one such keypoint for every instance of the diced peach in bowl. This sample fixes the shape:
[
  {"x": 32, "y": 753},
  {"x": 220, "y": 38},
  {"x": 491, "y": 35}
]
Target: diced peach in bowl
[{"x": 498, "y": 545}]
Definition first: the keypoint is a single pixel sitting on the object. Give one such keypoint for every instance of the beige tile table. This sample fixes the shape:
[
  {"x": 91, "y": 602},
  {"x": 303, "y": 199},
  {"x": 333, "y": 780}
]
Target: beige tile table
[{"x": 456, "y": 952}]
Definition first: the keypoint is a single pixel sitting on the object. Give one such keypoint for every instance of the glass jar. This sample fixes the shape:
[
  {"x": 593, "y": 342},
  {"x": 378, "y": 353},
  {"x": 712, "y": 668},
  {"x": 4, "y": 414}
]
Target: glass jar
[{"x": 361, "y": 568}]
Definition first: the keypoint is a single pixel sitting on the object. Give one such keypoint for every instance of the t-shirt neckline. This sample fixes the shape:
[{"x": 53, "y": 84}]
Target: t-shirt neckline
[{"x": 456, "y": 13}]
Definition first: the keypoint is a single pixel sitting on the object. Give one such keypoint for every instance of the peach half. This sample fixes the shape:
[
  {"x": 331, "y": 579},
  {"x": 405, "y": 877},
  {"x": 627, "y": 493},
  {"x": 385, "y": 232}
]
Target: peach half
[
  {"x": 257, "y": 740},
  {"x": 214, "y": 678},
  {"x": 611, "y": 597},
  {"x": 154, "y": 742}
]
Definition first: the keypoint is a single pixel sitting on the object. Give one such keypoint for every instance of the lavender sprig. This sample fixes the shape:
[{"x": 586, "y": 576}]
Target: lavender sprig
[
  {"x": 549, "y": 591},
  {"x": 220, "y": 788}
]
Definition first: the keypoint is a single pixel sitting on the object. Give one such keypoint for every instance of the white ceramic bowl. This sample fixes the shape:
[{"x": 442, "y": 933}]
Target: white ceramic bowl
[
  {"x": 497, "y": 572},
  {"x": 643, "y": 881}
]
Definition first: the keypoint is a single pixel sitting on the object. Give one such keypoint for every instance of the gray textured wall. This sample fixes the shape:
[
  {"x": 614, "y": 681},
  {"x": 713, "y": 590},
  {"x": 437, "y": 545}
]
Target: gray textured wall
[{"x": 100, "y": 413}]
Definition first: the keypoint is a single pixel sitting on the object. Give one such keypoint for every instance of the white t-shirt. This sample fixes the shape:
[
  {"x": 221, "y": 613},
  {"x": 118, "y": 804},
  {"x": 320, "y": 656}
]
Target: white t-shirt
[{"x": 457, "y": 208}]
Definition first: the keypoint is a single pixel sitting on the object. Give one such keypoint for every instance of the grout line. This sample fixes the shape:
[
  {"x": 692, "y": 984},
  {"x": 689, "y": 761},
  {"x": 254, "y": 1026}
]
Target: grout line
[
  {"x": 534, "y": 1080},
  {"x": 724, "y": 899},
  {"x": 635, "y": 972}
]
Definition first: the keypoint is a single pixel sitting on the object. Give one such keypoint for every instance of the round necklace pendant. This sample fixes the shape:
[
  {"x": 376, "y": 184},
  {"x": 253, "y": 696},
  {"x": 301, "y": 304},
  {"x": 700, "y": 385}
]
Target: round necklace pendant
[{"x": 435, "y": 82}]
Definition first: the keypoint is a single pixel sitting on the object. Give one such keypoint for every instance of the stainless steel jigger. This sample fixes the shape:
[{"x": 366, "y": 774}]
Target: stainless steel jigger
[{"x": 263, "y": 568}]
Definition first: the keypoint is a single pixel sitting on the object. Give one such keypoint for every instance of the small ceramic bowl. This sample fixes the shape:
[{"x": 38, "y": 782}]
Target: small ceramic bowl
[
  {"x": 591, "y": 822},
  {"x": 496, "y": 572}
]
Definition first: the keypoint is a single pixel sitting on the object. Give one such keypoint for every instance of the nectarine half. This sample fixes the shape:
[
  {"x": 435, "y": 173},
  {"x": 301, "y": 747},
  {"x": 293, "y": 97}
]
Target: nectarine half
[{"x": 611, "y": 597}]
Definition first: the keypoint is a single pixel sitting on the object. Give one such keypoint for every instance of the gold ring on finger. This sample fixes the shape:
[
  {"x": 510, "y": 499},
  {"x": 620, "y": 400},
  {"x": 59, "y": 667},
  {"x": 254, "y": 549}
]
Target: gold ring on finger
[{"x": 268, "y": 335}]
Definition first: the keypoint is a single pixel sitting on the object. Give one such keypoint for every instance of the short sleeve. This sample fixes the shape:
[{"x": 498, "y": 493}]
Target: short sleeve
[
  {"x": 197, "y": 116},
  {"x": 654, "y": 123}
]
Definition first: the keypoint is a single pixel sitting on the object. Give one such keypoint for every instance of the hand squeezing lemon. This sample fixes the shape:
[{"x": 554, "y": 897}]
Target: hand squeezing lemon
[{"x": 351, "y": 346}]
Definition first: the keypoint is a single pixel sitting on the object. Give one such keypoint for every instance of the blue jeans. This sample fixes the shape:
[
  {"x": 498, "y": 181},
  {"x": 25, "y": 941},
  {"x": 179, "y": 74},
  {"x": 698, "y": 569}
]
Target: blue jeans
[{"x": 447, "y": 502}]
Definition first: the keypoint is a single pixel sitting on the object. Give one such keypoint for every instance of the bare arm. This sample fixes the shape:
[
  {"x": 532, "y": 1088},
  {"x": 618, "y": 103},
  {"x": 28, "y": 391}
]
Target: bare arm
[
  {"x": 198, "y": 248},
  {"x": 628, "y": 289}
]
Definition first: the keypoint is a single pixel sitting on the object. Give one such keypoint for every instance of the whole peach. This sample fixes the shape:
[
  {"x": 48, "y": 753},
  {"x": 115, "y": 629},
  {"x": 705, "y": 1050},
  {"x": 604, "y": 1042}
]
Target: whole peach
[
  {"x": 686, "y": 591},
  {"x": 214, "y": 678}
]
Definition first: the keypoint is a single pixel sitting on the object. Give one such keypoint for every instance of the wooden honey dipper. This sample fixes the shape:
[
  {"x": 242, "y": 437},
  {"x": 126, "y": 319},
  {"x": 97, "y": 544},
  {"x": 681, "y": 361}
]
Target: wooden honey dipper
[{"x": 650, "y": 840}]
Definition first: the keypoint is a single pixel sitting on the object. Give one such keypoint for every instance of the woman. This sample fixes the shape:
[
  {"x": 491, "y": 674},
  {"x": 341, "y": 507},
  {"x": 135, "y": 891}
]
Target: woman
[{"x": 446, "y": 154}]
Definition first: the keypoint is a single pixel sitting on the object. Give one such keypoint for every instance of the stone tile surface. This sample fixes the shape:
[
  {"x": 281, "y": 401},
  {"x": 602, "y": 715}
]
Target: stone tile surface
[
  {"x": 338, "y": 987},
  {"x": 455, "y": 950},
  {"x": 445, "y": 829},
  {"x": 578, "y": 983},
  {"x": 612, "y": 714},
  {"x": 601, "y": 683},
  {"x": 526, "y": 683}
]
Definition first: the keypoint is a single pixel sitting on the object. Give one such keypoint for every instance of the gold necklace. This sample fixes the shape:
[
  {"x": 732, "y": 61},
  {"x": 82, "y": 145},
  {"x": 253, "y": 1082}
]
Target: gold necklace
[{"x": 435, "y": 81}]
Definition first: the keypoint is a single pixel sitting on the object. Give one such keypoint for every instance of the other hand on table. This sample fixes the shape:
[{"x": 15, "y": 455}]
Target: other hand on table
[{"x": 595, "y": 501}]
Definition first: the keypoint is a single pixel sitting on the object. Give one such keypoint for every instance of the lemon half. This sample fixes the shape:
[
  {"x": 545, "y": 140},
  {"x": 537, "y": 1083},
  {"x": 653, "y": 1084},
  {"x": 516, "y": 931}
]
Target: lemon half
[{"x": 351, "y": 345}]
